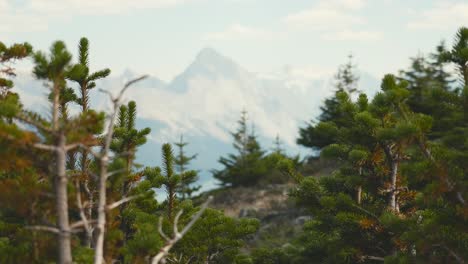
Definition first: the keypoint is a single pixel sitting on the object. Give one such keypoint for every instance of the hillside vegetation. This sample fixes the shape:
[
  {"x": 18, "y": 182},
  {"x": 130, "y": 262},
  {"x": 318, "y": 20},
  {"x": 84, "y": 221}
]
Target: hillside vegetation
[{"x": 385, "y": 182}]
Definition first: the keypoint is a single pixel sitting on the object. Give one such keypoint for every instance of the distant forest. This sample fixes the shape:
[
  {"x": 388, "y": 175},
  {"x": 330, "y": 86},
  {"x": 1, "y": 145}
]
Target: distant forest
[{"x": 385, "y": 182}]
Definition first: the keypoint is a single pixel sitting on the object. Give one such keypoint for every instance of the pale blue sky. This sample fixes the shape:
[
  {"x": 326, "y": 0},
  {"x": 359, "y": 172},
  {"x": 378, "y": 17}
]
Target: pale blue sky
[{"x": 161, "y": 37}]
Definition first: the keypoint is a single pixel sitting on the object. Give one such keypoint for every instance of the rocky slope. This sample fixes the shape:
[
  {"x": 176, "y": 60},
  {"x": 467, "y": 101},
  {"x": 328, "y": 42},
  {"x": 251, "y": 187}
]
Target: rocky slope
[{"x": 280, "y": 219}]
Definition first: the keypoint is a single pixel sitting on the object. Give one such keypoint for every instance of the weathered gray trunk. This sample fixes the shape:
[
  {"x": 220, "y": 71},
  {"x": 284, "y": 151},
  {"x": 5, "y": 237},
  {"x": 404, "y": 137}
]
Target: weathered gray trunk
[
  {"x": 393, "y": 189},
  {"x": 61, "y": 199},
  {"x": 84, "y": 170},
  {"x": 85, "y": 185},
  {"x": 101, "y": 222},
  {"x": 359, "y": 189},
  {"x": 359, "y": 194}
]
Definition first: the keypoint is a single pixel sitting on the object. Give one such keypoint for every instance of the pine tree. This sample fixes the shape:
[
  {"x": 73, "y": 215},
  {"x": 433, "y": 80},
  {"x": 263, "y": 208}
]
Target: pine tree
[
  {"x": 55, "y": 69},
  {"x": 86, "y": 81},
  {"x": 23, "y": 176},
  {"x": 181, "y": 162},
  {"x": 57, "y": 136},
  {"x": 171, "y": 180},
  {"x": 9, "y": 54},
  {"x": 408, "y": 180}
]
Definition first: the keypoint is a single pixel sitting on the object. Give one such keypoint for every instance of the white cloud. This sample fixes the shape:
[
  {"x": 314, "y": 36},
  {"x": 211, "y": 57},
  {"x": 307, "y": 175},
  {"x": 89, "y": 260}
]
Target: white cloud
[
  {"x": 101, "y": 6},
  {"x": 36, "y": 15},
  {"x": 21, "y": 22},
  {"x": 328, "y": 15},
  {"x": 336, "y": 19},
  {"x": 443, "y": 15},
  {"x": 238, "y": 31},
  {"x": 352, "y": 35},
  {"x": 343, "y": 4}
]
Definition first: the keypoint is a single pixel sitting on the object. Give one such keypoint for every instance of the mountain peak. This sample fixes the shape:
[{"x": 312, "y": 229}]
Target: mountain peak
[
  {"x": 210, "y": 57},
  {"x": 208, "y": 53},
  {"x": 209, "y": 64}
]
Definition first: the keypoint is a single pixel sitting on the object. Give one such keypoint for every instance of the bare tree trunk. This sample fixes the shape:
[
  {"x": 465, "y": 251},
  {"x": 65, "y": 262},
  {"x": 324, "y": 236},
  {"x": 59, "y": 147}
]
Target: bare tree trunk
[
  {"x": 359, "y": 189},
  {"x": 393, "y": 189},
  {"x": 89, "y": 194},
  {"x": 170, "y": 206},
  {"x": 101, "y": 222},
  {"x": 61, "y": 199},
  {"x": 84, "y": 171},
  {"x": 103, "y": 174},
  {"x": 55, "y": 107},
  {"x": 359, "y": 194}
]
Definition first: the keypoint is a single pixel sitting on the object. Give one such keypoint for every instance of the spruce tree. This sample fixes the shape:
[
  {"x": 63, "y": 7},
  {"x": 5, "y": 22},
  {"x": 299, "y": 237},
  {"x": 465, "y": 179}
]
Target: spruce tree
[
  {"x": 182, "y": 161},
  {"x": 247, "y": 166},
  {"x": 320, "y": 133}
]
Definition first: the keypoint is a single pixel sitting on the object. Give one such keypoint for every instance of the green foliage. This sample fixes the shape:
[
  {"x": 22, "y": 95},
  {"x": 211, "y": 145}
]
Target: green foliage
[
  {"x": 398, "y": 194},
  {"x": 245, "y": 168},
  {"x": 182, "y": 161},
  {"x": 335, "y": 112},
  {"x": 222, "y": 237},
  {"x": 9, "y": 54},
  {"x": 250, "y": 165}
]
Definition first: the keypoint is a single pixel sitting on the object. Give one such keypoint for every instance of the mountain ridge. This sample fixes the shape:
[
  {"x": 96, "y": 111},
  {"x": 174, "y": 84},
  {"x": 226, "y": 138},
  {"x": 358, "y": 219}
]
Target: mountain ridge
[{"x": 204, "y": 102}]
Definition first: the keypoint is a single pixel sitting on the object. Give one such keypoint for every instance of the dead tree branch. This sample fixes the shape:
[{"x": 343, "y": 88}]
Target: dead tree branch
[
  {"x": 161, "y": 256},
  {"x": 103, "y": 172}
]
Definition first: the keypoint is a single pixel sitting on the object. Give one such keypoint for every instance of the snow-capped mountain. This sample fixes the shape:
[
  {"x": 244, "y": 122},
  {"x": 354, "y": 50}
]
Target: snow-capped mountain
[{"x": 204, "y": 102}]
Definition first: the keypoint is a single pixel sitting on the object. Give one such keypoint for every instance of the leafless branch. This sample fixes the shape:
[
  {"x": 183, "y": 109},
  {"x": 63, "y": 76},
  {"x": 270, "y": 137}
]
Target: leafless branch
[
  {"x": 103, "y": 173},
  {"x": 161, "y": 232},
  {"x": 80, "y": 224},
  {"x": 164, "y": 251},
  {"x": 122, "y": 201},
  {"x": 44, "y": 228},
  {"x": 363, "y": 258},
  {"x": 45, "y": 147},
  {"x": 451, "y": 252},
  {"x": 130, "y": 83},
  {"x": 72, "y": 146},
  {"x": 110, "y": 174},
  {"x": 96, "y": 155},
  {"x": 79, "y": 203}
]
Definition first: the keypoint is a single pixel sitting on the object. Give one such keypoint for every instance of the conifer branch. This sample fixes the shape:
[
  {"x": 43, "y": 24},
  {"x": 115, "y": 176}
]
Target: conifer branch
[{"x": 25, "y": 119}]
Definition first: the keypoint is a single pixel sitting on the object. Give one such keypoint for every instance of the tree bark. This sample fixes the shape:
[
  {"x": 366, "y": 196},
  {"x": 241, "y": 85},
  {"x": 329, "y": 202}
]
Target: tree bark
[
  {"x": 359, "y": 189},
  {"x": 359, "y": 194},
  {"x": 393, "y": 191},
  {"x": 101, "y": 222},
  {"x": 103, "y": 174},
  {"x": 61, "y": 198}
]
